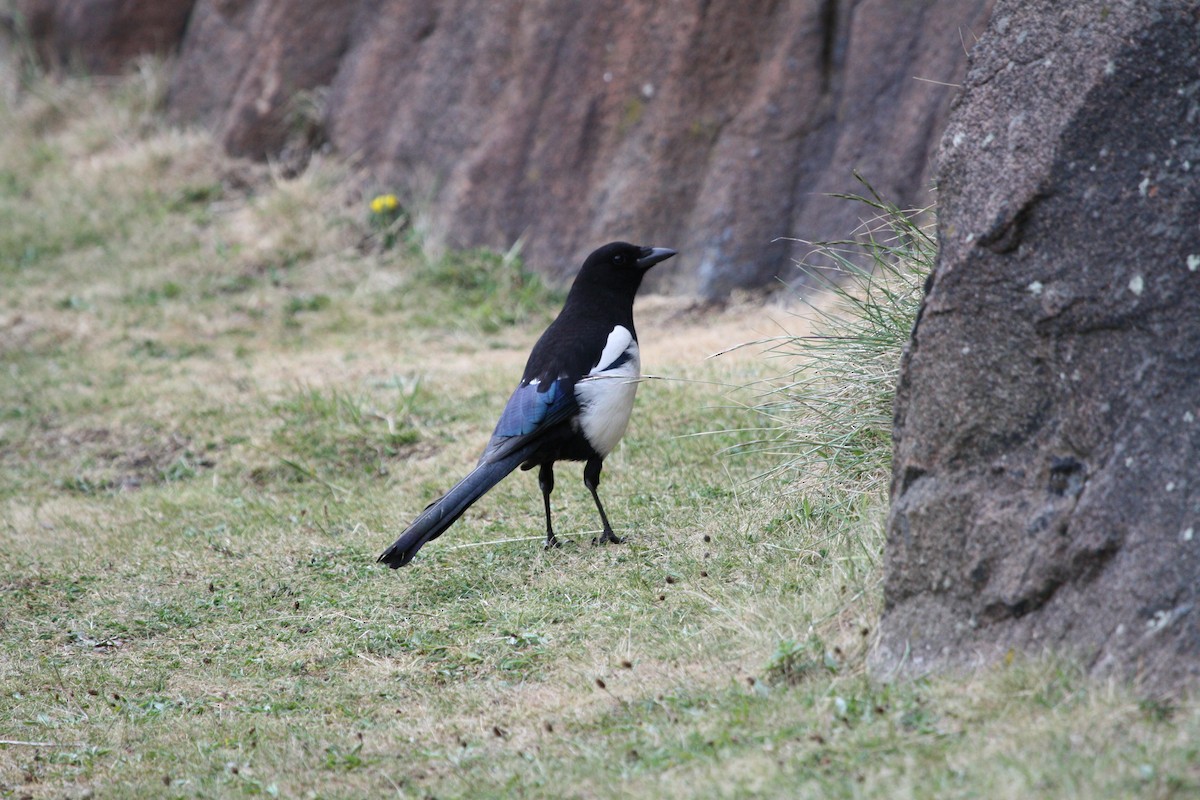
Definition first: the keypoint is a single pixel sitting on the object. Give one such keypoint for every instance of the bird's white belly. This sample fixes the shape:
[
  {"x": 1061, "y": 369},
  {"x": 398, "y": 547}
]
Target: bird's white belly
[{"x": 606, "y": 399}]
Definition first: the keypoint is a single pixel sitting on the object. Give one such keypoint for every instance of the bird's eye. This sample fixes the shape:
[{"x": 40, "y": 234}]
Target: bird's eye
[{"x": 618, "y": 259}]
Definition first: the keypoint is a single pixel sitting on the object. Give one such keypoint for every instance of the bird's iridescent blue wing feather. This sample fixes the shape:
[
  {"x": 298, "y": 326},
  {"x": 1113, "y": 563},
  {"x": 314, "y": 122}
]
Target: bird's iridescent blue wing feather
[{"x": 533, "y": 408}]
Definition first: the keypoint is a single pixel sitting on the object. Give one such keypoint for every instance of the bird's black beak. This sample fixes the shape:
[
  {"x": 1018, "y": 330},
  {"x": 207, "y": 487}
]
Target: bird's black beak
[{"x": 652, "y": 255}]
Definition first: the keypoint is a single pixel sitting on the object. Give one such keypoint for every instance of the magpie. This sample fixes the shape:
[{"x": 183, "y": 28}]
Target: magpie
[{"x": 573, "y": 401}]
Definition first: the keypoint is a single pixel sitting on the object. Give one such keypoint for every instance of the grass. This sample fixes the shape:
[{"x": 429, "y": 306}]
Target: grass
[
  {"x": 829, "y": 418},
  {"x": 221, "y": 396}
]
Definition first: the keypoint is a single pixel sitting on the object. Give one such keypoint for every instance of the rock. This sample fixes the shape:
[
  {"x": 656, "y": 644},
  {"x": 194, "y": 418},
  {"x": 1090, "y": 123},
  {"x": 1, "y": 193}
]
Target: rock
[
  {"x": 711, "y": 126},
  {"x": 1046, "y": 478},
  {"x": 250, "y": 70},
  {"x": 714, "y": 126},
  {"x": 102, "y": 35}
]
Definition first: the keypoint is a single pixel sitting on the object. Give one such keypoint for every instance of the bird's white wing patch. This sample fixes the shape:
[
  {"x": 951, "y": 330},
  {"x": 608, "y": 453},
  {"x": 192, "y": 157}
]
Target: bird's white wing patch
[
  {"x": 618, "y": 342},
  {"x": 606, "y": 393}
]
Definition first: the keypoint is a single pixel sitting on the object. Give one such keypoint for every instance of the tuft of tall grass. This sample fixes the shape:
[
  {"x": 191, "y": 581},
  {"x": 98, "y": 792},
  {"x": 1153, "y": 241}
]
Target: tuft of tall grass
[{"x": 829, "y": 418}]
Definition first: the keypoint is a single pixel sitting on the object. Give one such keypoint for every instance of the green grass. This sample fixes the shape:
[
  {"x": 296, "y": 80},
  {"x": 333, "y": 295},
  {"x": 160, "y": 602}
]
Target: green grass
[
  {"x": 217, "y": 406},
  {"x": 828, "y": 420}
]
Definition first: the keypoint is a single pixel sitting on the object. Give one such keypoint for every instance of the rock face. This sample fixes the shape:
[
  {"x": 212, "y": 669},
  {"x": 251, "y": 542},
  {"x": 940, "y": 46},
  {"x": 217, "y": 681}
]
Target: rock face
[
  {"x": 712, "y": 126},
  {"x": 1046, "y": 484},
  {"x": 102, "y": 35},
  {"x": 246, "y": 66}
]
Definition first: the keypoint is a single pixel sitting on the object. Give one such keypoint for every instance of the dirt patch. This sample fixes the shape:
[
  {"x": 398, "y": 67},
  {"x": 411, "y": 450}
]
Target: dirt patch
[
  {"x": 91, "y": 460},
  {"x": 680, "y": 330}
]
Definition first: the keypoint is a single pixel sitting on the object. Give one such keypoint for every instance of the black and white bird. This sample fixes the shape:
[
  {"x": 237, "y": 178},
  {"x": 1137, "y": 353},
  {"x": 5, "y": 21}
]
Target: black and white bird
[{"x": 573, "y": 402}]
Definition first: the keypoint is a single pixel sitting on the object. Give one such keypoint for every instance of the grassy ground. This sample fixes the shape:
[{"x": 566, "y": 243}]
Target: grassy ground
[{"x": 221, "y": 396}]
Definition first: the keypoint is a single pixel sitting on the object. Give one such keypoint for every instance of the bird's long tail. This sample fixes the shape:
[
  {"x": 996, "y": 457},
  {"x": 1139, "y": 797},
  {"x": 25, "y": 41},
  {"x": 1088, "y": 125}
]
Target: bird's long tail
[{"x": 441, "y": 513}]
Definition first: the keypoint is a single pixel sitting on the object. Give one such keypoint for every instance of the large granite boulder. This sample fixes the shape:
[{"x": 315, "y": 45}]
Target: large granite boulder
[{"x": 1046, "y": 484}]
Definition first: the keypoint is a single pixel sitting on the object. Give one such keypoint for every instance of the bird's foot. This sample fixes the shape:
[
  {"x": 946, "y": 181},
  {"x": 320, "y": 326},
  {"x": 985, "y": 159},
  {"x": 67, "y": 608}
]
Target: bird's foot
[
  {"x": 552, "y": 542},
  {"x": 606, "y": 537}
]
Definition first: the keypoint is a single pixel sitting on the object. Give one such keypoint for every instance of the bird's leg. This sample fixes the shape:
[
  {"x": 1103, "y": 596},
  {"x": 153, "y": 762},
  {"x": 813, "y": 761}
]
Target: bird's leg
[
  {"x": 546, "y": 481},
  {"x": 591, "y": 479}
]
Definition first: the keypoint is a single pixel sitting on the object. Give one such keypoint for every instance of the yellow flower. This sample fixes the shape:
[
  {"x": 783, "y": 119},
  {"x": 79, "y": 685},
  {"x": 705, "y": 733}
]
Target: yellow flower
[{"x": 384, "y": 204}]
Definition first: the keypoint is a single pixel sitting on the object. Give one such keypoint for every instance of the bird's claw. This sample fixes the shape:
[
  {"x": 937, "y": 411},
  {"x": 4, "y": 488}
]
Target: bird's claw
[{"x": 606, "y": 537}]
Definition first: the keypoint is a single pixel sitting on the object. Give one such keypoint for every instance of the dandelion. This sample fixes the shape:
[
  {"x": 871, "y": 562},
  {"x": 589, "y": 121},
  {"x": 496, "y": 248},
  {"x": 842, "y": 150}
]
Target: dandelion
[
  {"x": 387, "y": 219},
  {"x": 384, "y": 204}
]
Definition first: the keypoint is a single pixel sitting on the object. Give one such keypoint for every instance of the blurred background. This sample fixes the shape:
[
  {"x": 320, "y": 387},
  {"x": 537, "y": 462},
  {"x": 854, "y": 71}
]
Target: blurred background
[{"x": 718, "y": 128}]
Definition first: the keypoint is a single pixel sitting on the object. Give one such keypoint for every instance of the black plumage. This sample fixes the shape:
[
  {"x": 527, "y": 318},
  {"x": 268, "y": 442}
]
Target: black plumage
[{"x": 573, "y": 401}]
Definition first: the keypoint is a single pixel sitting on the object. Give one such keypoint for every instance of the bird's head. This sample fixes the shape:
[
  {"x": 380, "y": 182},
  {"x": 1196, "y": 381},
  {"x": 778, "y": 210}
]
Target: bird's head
[
  {"x": 621, "y": 264},
  {"x": 626, "y": 257}
]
